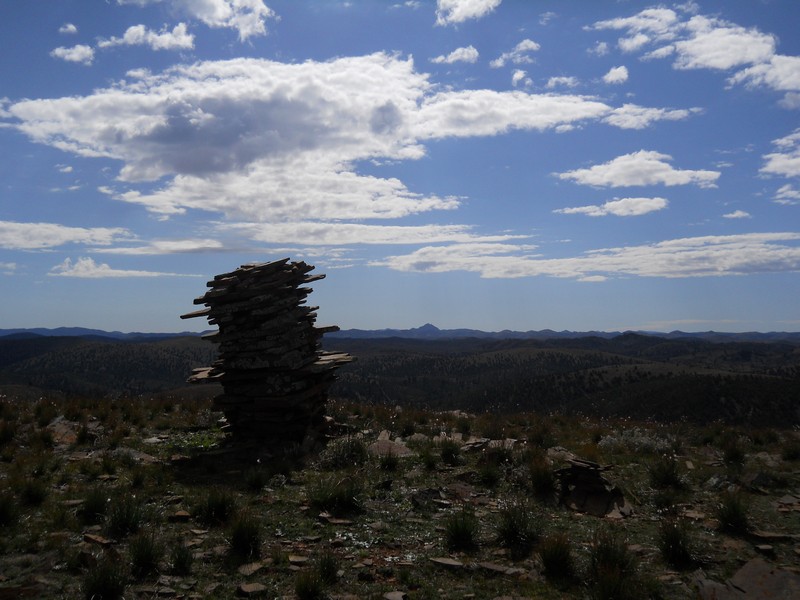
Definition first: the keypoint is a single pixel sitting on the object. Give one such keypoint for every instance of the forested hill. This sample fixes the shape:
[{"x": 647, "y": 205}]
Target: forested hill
[
  {"x": 630, "y": 375},
  {"x": 100, "y": 366}
]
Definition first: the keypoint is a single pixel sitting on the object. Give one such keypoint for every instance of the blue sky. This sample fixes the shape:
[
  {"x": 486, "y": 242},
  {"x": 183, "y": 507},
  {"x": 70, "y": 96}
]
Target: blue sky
[{"x": 495, "y": 164}]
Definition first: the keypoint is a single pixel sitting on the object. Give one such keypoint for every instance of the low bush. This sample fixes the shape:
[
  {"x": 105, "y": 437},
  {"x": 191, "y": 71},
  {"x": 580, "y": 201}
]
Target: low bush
[
  {"x": 337, "y": 495},
  {"x": 675, "y": 543},
  {"x": 145, "y": 551},
  {"x": 555, "y": 552},
  {"x": 612, "y": 567},
  {"x": 517, "y": 529},
  {"x": 461, "y": 531},
  {"x": 732, "y": 513},
  {"x": 245, "y": 536},
  {"x": 125, "y": 516},
  {"x": 217, "y": 507},
  {"x": 105, "y": 581},
  {"x": 343, "y": 453}
]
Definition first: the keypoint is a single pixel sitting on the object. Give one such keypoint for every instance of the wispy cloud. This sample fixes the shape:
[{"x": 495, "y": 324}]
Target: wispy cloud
[
  {"x": 40, "y": 236},
  {"x": 707, "y": 256},
  {"x": 86, "y": 268}
]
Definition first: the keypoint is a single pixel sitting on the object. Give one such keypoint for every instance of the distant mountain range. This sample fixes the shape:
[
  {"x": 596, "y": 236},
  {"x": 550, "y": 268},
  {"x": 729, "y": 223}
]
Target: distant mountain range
[
  {"x": 431, "y": 332},
  {"x": 91, "y": 333}
]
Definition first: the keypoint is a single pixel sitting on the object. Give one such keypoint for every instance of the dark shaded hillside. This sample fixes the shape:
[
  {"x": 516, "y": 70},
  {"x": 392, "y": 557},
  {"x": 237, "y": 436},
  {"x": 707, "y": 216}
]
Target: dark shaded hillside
[
  {"x": 628, "y": 376},
  {"x": 95, "y": 367}
]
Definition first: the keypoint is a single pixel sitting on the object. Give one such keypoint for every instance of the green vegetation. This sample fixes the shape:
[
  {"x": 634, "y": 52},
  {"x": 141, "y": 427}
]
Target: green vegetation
[{"x": 131, "y": 496}]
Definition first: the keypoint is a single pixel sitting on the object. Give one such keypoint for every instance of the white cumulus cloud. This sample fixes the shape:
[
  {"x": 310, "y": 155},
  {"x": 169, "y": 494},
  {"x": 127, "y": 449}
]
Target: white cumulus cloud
[
  {"x": 519, "y": 55},
  {"x": 640, "y": 168},
  {"x": 78, "y": 54},
  {"x": 68, "y": 28},
  {"x": 468, "y": 54},
  {"x": 139, "y": 35},
  {"x": 248, "y": 17},
  {"x": 616, "y": 75},
  {"x": 449, "y": 12},
  {"x": 621, "y": 207}
]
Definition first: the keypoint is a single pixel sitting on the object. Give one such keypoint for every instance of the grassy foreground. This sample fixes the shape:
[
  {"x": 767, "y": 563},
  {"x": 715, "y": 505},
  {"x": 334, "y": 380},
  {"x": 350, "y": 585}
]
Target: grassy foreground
[{"x": 138, "y": 498}]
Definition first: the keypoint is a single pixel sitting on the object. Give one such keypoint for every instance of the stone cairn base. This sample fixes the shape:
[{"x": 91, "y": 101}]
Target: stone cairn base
[{"x": 273, "y": 372}]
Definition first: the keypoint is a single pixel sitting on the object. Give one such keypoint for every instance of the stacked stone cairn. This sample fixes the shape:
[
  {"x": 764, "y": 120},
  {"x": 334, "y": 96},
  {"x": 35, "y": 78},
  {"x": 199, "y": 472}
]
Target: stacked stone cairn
[{"x": 274, "y": 375}]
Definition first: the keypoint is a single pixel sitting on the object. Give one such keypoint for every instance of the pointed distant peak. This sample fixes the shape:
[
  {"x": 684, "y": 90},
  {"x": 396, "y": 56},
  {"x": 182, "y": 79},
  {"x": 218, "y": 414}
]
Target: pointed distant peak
[{"x": 428, "y": 327}]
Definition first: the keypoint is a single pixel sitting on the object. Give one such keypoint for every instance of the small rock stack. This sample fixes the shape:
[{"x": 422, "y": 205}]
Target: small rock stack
[
  {"x": 584, "y": 489},
  {"x": 273, "y": 372}
]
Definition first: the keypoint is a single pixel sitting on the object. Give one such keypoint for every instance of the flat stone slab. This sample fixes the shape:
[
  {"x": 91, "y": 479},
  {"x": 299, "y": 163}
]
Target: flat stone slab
[{"x": 756, "y": 580}]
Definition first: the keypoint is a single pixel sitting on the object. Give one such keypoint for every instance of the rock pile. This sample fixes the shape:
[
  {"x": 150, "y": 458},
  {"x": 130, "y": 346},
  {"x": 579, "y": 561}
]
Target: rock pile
[
  {"x": 273, "y": 372},
  {"x": 584, "y": 489}
]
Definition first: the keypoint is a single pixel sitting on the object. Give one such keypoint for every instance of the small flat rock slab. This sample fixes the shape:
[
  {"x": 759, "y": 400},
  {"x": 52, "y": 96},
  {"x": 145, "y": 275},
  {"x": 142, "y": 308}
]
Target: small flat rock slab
[
  {"x": 448, "y": 563},
  {"x": 251, "y": 590},
  {"x": 250, "y": 568},
  {"x": 179, "y": 516},
  {"x": 295, "y": 559},
  {"x": 396, "y": 595},
  {"x": 96, "y": 539}
]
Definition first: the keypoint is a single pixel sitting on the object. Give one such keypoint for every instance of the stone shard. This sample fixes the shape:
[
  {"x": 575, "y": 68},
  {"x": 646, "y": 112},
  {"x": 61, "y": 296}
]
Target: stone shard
[{"x": 273, "y": 372}]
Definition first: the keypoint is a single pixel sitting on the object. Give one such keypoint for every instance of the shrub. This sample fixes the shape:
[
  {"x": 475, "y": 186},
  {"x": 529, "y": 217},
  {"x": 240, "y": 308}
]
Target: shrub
[
  {"x": 246, "y": 536},
  {"x": 542, "y": 477},
  {"x": 181, "y": 558},
  {"x": 732, "y": 513},
  {"x": 612, "y": 567},
  {"x": 94, "y": 507},
  {"x": 106, "y": 581},
  {"x": 145, "y": 551},
  {"x": 33, "y": 492},
  {"x": 664, "y": 473},
  {"x": 555, "y": 552},
  {"x": 125, "y": 516},
  {"x": 328, "y": 568},
  {"x": 791, "y": 450},
  {"x": 344, "y": 452},
  {"x": 8, "y": 509},
  {"x": 461, "y": 531},
  {"x": 389, "y": 461},
  {"x": 256, "y": 478},
  {"x": 336, "y": 495},
  {"x": 489, "y": 474},
  {"x": 517, "y": 529},
  {"x": 308, "y": 585},
  {"x": 428, "y": 457},
  {"x": 675, "y": 543},
  {"x": 450, "y": 452},
  {"x": 216, "y": 508}
]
